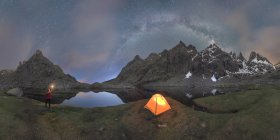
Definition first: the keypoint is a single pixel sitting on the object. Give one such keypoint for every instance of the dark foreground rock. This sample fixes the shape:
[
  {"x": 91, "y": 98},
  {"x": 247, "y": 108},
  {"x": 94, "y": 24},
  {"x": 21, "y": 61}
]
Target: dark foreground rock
[{"x": 15, "y": 92}]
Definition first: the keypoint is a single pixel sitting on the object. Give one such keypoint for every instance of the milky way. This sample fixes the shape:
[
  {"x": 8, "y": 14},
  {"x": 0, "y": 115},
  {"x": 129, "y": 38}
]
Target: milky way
[{"x": 94, "y": 39}]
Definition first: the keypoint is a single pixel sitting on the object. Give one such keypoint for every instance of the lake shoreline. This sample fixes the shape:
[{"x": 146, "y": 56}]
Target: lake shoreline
[{"x": 130, "y": 121}]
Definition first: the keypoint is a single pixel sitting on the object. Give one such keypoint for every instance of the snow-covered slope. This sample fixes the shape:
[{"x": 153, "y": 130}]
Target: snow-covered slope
[{"x": 259, "y": 64}]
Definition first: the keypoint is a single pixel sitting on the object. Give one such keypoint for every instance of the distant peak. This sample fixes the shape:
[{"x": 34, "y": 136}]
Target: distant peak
[
  {"x": 241, "y": 57},
  {"x": 213, "y": 47},
  {"x": 37, "y": 58},
  {"x": 137, "y": 57},
  {"x": 38, "y": 52},
  {"x": 38, "y": 55},
  {"x": 181, "y": 47},
  {"x": 212, "y": 42},
  {"x": 181, "y": 43},
  {"x": 152, "y": 56},
  {"x": 254, "y": 56}
]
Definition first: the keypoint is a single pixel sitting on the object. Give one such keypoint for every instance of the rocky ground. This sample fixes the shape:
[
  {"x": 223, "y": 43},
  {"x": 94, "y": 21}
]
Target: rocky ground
[{"x": 257, "y": 118}]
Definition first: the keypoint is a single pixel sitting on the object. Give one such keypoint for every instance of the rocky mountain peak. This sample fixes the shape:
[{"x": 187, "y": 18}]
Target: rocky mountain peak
[
  {"x": 182, "y": 59},
  {"x": 39, "y": 72},
  {"x": 136, "y": 61},
  {"x": 257, "y": 58},
  {"x": 240, "y": 57},
  {"x": 259, "y": 64},
  {"x": 137, "y": 58},
  {"x": 233, "y": 55},
  {"x": 38, "y": 63},
  {"x": 212, "y": 52},
  {"x": 164, "y": 53},
  {"x": 38, "y": 57},
  {"x": 277, "y": 66},
  {"x": 182, "y": 43},
  {"x": 181, "y": 48},
  {"x": 213, "y": 47},
  {"x": 39, "y": 52},
  {"x": 152, "y": 56}
]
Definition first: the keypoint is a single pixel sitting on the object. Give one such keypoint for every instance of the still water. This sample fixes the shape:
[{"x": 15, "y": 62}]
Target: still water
[
  {"x": 117, "y": 97},
  {"x": 92, "y": 99}
]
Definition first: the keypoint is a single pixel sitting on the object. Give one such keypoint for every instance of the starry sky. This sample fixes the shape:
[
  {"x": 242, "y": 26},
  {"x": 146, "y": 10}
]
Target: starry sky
[{"x": 93, "y": 39}]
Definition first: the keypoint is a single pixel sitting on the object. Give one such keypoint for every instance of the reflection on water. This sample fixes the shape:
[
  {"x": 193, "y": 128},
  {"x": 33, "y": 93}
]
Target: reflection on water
[
  {"x": 92, "y": 99},
  {"x": 116, "y": 97}
]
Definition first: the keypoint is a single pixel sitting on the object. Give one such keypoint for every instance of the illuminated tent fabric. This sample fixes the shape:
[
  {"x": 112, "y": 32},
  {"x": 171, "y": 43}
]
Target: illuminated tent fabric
[{"x": 157, "y": 104}]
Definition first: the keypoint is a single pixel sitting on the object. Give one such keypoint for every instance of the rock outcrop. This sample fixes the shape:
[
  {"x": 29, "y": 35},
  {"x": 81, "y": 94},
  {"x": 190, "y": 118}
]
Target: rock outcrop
[
  {"x": 15, "y": 92},
  {"x": 6, "y": 80},
  {"x": 39, "y": 72},
  {"x": 259, "y": 64},
  {"x": 214, "y": 61},
  {"x": 277, "y": 66}
]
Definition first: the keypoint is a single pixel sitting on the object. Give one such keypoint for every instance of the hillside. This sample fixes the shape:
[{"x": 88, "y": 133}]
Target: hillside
[{"x": 38, "y": 72}]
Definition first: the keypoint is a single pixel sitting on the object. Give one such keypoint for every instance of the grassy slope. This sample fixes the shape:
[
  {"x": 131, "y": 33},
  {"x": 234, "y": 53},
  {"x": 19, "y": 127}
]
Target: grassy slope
[{"x": 258, "y": 118}]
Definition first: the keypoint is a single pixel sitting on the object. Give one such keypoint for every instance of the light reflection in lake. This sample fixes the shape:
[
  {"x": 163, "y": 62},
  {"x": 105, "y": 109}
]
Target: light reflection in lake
[{"x": 92, "y": 99}]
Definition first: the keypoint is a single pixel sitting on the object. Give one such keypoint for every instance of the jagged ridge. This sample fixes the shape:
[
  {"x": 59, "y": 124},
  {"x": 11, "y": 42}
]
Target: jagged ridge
[{"x": 182, "y": 59}]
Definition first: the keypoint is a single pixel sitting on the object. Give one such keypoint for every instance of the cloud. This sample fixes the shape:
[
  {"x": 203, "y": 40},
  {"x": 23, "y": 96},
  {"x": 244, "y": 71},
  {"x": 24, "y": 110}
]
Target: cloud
[
  {"x": 267, "y": 42},
  {"x": 14, "y": 46},
  {"x": 87, "y": 39},
  {"x": 82, "y": 60}
]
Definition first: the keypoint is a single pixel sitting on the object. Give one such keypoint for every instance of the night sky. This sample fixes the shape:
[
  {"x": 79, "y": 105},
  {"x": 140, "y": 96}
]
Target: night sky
[{"x": 92, "y": 40}]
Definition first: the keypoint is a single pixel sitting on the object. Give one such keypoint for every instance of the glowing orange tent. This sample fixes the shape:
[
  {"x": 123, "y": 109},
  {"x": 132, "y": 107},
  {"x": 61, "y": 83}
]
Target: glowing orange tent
[{"x": 157, "y": 104}]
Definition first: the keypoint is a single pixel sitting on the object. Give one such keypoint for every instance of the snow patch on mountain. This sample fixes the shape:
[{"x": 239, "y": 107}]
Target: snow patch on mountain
[
  {"x": 244, "y": 69},
  {"x": 214, "y": 91},
  {"x": 212, "y": 41},
  {"x": 189, "y": 95},
  {"x": 188, "y": 75},
  {"x": 213, "y": 78},
  {"x": 194, "y": 57},
  {"x": 255, "y": 60}
]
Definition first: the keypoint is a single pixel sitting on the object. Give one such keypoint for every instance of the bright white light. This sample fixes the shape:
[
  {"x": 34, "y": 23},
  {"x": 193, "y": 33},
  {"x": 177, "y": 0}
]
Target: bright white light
[{"x": 52, "y": 86}]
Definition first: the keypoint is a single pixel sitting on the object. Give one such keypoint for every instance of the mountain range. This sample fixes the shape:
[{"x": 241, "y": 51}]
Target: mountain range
[
  {"x": 183, "y": 62},
  {"x": 180, "y": 66}
]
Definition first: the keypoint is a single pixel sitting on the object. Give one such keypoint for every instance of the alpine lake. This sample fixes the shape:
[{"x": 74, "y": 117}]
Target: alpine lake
[{"x": 114, "y": 97}]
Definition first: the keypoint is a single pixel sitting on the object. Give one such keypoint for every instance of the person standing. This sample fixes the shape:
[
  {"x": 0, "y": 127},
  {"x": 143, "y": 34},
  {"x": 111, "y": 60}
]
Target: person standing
[{"x": 48, "y": 98}]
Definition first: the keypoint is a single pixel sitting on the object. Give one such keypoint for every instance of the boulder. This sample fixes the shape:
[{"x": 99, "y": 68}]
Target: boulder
[{"x": 15, "y": 92}]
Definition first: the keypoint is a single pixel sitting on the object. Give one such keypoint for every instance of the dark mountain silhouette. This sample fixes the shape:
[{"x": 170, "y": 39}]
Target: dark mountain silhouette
[
  {"x": 183, "y": 61},
  {"x": 38, "y": 72}
]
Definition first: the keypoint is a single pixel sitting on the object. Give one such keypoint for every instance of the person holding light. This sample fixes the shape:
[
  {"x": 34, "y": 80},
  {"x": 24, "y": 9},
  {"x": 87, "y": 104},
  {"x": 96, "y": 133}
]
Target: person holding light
[{"x": 49, "y": 96}]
